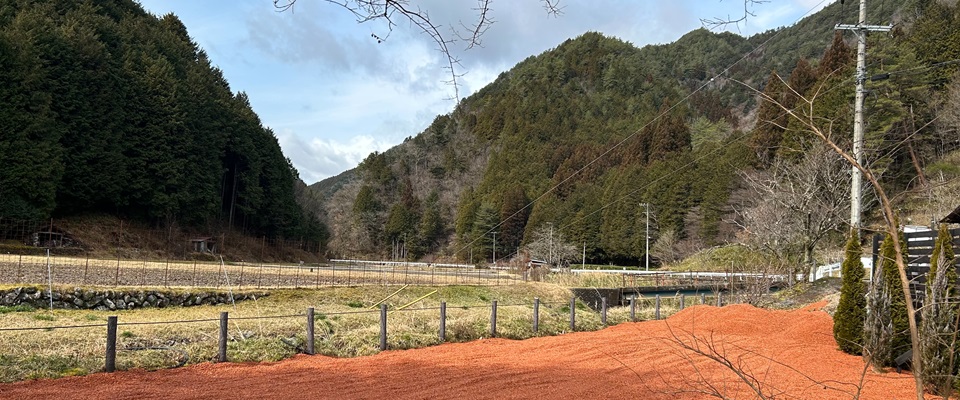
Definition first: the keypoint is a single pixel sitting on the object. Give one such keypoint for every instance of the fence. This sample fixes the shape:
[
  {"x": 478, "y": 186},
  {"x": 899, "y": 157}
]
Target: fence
[
  {"x": 84, "y": 270},
  {"x": 571, "y": 311},
  {"x": 919, "y": 252}
]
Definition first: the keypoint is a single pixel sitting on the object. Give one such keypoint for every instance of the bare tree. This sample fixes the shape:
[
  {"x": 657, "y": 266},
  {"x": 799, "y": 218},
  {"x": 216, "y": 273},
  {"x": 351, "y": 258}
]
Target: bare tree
[
  {"x": 797, "y": 205},
  {"x": 393, "y": 12},
  {"x": 548, "y": 244},
  {"x": 804, "y": 115}
]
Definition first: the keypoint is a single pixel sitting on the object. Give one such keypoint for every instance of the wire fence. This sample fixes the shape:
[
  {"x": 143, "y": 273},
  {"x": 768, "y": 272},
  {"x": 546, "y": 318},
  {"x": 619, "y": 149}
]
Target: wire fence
[
  {"x": 68, "y": 269},
  {"x": 523, "y": 320}
]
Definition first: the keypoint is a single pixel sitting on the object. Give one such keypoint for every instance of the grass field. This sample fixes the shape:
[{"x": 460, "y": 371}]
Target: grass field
[
  {"x": 71, "y": 270},
  {"x": 273, "y": 327}
]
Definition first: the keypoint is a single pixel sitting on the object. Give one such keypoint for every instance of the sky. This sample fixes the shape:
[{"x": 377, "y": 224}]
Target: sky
[{"x": 333, "y": 93}]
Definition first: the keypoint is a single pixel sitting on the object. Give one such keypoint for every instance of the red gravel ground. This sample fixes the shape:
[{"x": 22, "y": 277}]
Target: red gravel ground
[{"x": 792, "y": 354}]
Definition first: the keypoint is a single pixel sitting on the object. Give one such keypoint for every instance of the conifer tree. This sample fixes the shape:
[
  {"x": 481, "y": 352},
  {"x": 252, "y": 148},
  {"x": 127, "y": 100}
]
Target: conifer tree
[
  {"x": 851, "y": 311},
  {"x": 939, "y": 312}
]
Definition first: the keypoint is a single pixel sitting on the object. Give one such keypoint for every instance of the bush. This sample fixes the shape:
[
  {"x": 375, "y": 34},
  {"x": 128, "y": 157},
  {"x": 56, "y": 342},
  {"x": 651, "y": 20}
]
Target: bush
[{"x": 851, "y": 312}]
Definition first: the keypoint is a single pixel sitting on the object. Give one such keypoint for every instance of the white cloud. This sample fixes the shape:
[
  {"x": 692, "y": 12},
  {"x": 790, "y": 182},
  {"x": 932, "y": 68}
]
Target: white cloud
[{"x": 319, "y": 158}]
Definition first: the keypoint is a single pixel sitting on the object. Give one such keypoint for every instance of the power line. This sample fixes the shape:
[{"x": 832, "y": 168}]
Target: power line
[{"x": 637, "y": 131}]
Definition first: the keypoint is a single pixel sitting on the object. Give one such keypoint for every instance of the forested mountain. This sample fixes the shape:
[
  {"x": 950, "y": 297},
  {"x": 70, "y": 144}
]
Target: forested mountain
[
  {"x": 578, "y": 137},
  {"x": 105, "y": 108}
]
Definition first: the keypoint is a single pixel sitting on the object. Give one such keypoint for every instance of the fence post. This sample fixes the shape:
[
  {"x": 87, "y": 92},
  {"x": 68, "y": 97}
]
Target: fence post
[
  {"x": 573, "y": 314},
  {"x": 310, "y": 330},
  {"x": 536, "y": 314},
  {"x": 443, "y": 321},
  {"x": 683, "y": 300},
  {"x": 222, "y": 354},
  {"x": 493, "y": 319},
  {"x": 383, "y": 327},
  {"x": 719, "y": 299},
  {"x": 703, "y": 298},
  {"x": 603, "y": 311},
  {"x": 633, "y": 309},
  {"x": 111, "y": 358},
  {"x": 656, "y": 308}
]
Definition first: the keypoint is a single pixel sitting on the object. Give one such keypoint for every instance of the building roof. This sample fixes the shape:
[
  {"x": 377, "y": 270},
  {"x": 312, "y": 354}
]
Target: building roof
[{"x": 952, "y": 218}]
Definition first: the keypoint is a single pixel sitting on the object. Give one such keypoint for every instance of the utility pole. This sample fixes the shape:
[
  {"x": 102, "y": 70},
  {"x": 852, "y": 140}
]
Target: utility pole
[
  {"x": 494, "y": 249},
  {"x": 646, "y": 248},
  {"x": 860, "y": 29}
]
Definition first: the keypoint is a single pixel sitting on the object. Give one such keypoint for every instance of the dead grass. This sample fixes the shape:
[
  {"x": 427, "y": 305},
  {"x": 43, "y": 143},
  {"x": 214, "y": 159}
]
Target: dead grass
[{"x": 346, "y": 326}]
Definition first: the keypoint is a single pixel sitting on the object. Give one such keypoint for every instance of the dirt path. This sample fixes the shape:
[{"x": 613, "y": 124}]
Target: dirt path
[{"x": 639, "y": 360}]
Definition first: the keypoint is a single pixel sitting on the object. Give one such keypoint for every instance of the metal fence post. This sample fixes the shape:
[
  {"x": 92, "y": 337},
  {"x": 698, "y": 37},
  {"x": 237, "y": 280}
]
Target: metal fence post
[
  {"x": 633, "y": 309},
  {"x": 222, "y": 354},
  {"x": 536, "y": 314},
  {"x": 310, "y": 330},
  {"x": 656, "y": 308},
  {"x": 603, "y": 311},
  {"x": 573, "y": 314},
  {"x": 383, "y": 327},
  {"x": 443, "y": 321},
  {"x": 493, "y": 319},
  {"x": 111, "y": 360}
]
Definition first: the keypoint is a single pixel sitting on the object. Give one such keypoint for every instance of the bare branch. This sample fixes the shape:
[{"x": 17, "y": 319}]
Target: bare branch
[
  {"x": 718, "y": 23},
  {"x": 389, "y": 10}
]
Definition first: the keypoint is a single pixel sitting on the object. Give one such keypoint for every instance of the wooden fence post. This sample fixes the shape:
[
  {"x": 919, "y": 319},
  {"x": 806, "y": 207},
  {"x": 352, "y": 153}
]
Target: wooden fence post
[
  {"x": 310, "y": 330},
  {"x": 683, "y": 300},
  {"x": 536, "y": 314},
  {"x": 703, "y": 298},
  {"x": 573, "y": 314},
  {"x": 493, "y": 319},
  {"x": 633, "y": 309},
  {"x": 383, "y": 327},
  {"x": 222, "y": 353},
  {"x": 111, "y": 356},
  {"x": 603, "y": 311},
  {"x": 719, "y": 299},
  {"x": 443, "y": 321}
]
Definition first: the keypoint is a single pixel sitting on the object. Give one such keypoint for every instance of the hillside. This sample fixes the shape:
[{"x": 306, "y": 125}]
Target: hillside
[
  {"x": 110, "y": 110},
  {"x": 586, "y": 132}
]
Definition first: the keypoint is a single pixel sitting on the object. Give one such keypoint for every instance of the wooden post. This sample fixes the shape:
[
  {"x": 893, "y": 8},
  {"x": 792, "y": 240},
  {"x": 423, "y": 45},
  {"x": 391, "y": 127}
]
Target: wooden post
[
  {"x": 111, "y": 356},
  {"x": 603, "y": 311},
  {"x": 493, "y": 319},
  {"x": 573, "y": 314},
  {"x": 443, "y": 321},
  {"x": 536, "y": 314},
  {"x": 703, "y": 298},
  {"x": 383, "y": 327},
  {"x": 310, "y": 330},
  {"x": 719, "y": 299},
  {"x": 194, "y": 273},
  {"x": 86, "y": 268},
  {"x": 656, "y": 308},
  {"x": 683, "y": 300},
  {"x": 222, "y": 353},
  {"x": 633, "y": 309}
]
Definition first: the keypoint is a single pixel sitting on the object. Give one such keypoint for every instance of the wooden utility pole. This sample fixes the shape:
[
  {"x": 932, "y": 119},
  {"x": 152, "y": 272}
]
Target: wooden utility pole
[{"x": 860, "y": 29}]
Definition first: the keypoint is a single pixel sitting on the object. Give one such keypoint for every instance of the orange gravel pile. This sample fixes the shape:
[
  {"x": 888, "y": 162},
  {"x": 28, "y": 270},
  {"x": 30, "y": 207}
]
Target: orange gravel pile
[{"x": 791, "y": 354}]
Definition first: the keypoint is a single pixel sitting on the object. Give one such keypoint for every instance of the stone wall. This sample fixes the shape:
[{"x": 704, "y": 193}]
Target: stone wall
[{"x": 117, "y": 299}]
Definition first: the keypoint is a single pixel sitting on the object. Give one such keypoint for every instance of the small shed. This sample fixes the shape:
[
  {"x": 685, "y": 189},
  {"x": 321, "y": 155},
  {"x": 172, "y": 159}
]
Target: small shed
[{"x": 203, "y": 245}]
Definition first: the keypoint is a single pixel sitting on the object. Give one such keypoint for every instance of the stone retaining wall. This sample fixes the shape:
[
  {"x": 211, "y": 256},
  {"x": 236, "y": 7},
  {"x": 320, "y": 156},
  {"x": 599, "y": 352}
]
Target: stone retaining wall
[{"x": 117, "y": 299}]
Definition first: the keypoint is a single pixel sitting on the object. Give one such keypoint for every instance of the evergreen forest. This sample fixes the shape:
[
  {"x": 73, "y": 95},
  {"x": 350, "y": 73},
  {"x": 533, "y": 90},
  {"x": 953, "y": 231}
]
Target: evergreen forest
[
  {"x": 107, "y": 109},
  {"x": 583, "y": 138}
]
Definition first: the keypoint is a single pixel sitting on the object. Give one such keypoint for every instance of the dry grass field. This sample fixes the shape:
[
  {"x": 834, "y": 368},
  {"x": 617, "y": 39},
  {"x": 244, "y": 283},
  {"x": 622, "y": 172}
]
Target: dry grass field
[{"x": 274, "y": 327}]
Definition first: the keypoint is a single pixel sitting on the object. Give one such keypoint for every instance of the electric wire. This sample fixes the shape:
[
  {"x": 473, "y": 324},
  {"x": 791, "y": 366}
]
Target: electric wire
[{"x": 684, "y": 100}]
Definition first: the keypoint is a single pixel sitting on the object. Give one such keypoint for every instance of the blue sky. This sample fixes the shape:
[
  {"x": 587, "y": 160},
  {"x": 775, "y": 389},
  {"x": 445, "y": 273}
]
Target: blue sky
[{"x": 333, "y": 95}]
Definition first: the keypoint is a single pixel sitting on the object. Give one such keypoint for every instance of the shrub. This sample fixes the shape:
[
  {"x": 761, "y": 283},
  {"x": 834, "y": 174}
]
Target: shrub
[{"x": 851, "y": 312}]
